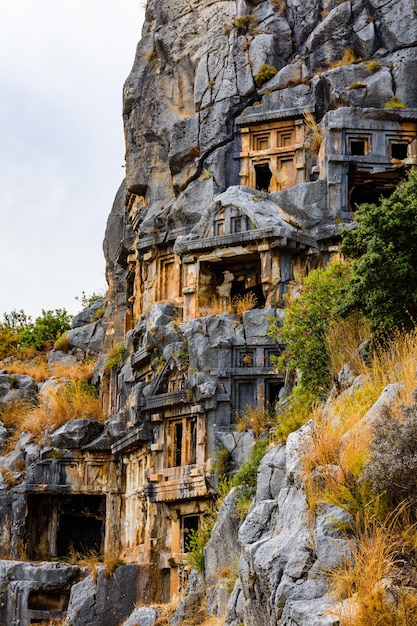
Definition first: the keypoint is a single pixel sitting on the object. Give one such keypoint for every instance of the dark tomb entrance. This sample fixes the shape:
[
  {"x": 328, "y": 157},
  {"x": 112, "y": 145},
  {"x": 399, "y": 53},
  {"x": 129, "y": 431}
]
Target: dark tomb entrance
[
  {"x": 57, "y": 525},
  {"x": 247, "y": 279},
  {"x": 190, "y": 525},
  {"x": 263, "y": 177},
  {"x": 81, "y": 525},
  {"x": 367, "y": 187}
]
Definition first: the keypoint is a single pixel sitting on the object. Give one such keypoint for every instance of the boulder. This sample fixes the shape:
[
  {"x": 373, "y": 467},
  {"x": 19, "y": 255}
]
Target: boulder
[{"x": 77, "y": 433}]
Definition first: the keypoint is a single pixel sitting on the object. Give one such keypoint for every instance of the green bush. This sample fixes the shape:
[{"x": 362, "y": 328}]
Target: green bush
[
  {"x": 87, "y": 300},
  {"x": 244, "y": 23},
  {"x": 266, "y": 72},
  {"x": 246, "y": 477},
  {"x": 306, "y": 321},
  {"x": 199, "y": 539},
  {"x": 116, "y": 357},
  {"x": 46, "y": 329},
  {"x": 383, "y": 285},
  {"x": 18, "y": 331}
]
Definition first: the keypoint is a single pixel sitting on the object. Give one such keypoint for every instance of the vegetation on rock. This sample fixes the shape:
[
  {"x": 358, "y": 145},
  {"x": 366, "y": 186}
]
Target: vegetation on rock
[
  {"x": 18, "y": 334},
  {"x": 383, "y": 284},
  {"x": 306, "y": 322}
]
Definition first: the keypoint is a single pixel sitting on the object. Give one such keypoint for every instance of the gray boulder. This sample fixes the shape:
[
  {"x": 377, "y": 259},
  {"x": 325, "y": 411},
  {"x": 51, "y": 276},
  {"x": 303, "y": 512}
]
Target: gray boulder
[
  {"x": 89, "y": 315},
  {"x": 77, "y": 433}
]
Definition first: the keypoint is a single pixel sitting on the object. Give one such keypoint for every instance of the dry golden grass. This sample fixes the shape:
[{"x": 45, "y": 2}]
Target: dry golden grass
[
  {"x": 214, "y": 308},
  {"x": 314, "y": 133},
  {"x": 341, "y": 436},
  {"x": 12, "y": 414},
  {"x": 347, "y": 58},
  {"x": 372, "y": 577},
  {"x": 39, "y": 369},
  {"x": 279, "y": 6},
  {"x": 247, "y": 302},
  {"x": 256, "y": 419},
  {"x": 343, "y": 338},
  {"x": 53, "y": 409},
  {"x": 200, "y": 618}
]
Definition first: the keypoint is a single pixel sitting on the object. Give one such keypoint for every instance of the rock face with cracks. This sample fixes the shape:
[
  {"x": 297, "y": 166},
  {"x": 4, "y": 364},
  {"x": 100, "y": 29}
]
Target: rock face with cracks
[{"x": 253, "y": 129}]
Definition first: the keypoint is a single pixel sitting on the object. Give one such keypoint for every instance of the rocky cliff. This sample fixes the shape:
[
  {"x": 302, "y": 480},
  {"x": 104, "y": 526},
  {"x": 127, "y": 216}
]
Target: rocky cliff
[{"x": 253, "y": 129}]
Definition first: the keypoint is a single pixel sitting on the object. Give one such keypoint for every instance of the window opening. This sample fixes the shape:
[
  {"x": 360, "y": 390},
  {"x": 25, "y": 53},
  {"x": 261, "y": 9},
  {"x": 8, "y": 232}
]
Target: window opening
[
  {"x": 190, "y": 525},
  {"x": 182, "y": 442},
  {"x": 193, "y": 443},
  {"x": 399, "y": 151},
  {"x": 358, "y": 147},
  {"x": 177, "y": 443},
  {"x": 48, "y": 601},
  {"x": 218, "y": 228},
  {"x": 236, "y": 224},
  {"x": 245, "y": 395},
  {"x": 245, "y": 358},
  {"x": 272, "y": 390},
  {"x": 263, "y": 177}
]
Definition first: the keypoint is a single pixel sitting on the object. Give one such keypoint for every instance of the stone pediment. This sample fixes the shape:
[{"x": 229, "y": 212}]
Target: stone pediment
[
  {"x": 170, "y": 380},
  {"x": 240, "y": 215}
]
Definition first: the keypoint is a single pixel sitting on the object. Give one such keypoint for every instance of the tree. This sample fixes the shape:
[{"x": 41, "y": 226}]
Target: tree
[
  {"x": 306, "y": 321},
  {"x": 17, "y": 331},
  {"x": 383, "y": 285},
  {"x": 45, "y": 329}
]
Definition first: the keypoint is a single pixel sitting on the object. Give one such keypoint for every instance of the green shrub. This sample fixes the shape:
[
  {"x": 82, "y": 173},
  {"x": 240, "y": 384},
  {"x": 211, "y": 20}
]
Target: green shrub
[
  {"x": 222, "y": 462},
  {"x": 306, "y": 321},
  {"x": 243, "y": 23},
  {"x": 266, "y": 72},
  {"x": 199, "y": 539},
  {"x": 383, "y": 284},
  {"x": 116, "y": 357},
  {"x": 45, "y": 330},
  {"x": 295, "y": 413},
  {"x": 246, "y": 477},
  {"x": 87, "y": 300}
]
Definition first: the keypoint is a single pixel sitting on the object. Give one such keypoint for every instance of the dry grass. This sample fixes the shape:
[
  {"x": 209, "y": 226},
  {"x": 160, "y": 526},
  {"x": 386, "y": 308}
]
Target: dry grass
[
  {"x": 373, "y": 66},
  {"x": 341, "y": 436},
  {"x": 314, "y": 133},
  {"x": 343, "y": 338},
  {"x": 256, "y": 419},
  {"x": 215, "y": 307},
  {"x": 165, "y": 612},
  {"x": 247, "y": 302},
  {"x": 200, "y": 618},
  {"x": 372, "y": 577},
  {"x": 347, "y": 59},
  {"x": 279, "y": 6},
  {"x": 39, "y": 369},
  {"x": 13, "y": 413},
  {"x": 53, "y": 409}
]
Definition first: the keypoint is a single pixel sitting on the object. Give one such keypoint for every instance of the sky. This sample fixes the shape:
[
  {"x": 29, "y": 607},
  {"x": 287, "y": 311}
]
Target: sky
[{"x": 62, "y": 69}]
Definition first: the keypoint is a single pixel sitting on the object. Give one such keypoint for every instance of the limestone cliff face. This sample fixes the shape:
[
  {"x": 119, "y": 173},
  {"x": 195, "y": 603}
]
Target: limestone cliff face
[
  {"x": 252, "y": 131},
  {"x": 196, "y": 66},
  {"x": 207, "y": 73}
]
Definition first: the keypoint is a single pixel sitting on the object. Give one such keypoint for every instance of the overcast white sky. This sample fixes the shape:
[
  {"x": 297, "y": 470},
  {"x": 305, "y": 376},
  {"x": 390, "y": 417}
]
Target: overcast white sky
[{"x": 62, "y": 68}]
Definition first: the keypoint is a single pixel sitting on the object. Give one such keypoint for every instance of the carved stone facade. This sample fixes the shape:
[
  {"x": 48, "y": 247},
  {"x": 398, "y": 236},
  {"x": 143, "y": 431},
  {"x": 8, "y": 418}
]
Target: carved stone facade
[
  {"x": 273, "y": 155},
  {"x": 140, "y": 489}
]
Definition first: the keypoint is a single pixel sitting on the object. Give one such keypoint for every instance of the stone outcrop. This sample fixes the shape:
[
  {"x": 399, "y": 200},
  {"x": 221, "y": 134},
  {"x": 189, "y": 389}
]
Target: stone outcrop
[
  {"x": 281, "y": 553},
  {"x": 253, "y": 128}
]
